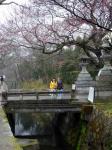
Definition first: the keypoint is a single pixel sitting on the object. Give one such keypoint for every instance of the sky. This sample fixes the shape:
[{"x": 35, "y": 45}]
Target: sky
[{"x": 5, "y": 10}]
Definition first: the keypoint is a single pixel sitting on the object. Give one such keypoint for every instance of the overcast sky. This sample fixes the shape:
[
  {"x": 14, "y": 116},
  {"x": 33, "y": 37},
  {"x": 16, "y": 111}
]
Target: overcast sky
[{"x": 5, "y": 10}]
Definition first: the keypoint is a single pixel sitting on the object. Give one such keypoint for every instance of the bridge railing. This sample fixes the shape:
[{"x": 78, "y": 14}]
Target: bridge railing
[{"x": 38, "y": 95}]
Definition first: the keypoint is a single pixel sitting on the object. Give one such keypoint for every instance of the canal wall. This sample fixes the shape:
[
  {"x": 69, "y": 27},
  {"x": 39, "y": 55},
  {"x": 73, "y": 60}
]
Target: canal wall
[{"x": 7, "y": 140}]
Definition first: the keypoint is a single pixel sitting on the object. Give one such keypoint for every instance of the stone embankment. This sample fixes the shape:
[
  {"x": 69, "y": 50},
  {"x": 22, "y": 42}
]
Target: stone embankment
[{"x": 7, "y": 140}]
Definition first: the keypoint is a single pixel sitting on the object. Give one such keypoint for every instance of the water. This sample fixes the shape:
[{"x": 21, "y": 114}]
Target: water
[
  {"x": 49, "y": 148},
  {"x": 33, "y": 124},
  {"x": 38, "y": 126},
  {"x": 48, "y": 130}
]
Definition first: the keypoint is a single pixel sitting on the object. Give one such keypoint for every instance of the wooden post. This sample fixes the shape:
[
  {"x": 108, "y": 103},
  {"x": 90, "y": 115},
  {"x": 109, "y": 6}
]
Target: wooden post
[
  {"x": 37, "y": 96},
  {"x": 0, "y": 97},
  {"x": 3, "y": 97},
  {"x": 20, "y": 96},
  {"x": 3, "y": 92},
  {"x": 73, "y": 91}
]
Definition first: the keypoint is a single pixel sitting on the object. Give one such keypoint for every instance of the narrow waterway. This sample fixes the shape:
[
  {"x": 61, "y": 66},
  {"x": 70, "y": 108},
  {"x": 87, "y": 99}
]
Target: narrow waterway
[{"x": 50, "y": 131}]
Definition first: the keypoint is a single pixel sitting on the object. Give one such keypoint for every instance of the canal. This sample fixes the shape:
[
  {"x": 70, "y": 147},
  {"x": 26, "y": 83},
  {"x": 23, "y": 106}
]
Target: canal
[{"x": 45, "y": 131}]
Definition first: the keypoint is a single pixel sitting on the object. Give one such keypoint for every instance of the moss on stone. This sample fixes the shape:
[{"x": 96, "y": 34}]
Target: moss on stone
[
  {"x": 29, "y": 142},
  {"x": 7, "y": 140},
  {"x": 15, "y": 144}
]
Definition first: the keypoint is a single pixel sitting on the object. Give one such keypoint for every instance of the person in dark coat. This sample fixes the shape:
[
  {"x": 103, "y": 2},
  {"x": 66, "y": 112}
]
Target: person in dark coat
[{"x": 59, "y": 88}]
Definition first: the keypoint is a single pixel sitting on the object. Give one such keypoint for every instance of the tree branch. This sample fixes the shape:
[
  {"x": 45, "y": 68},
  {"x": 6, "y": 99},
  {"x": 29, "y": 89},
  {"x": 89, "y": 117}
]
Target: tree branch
[{"x": 84, "y": 19}]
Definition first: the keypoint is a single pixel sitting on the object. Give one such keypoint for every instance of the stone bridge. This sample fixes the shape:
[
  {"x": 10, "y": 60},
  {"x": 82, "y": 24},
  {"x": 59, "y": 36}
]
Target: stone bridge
[{"x": 33, "y": 101}]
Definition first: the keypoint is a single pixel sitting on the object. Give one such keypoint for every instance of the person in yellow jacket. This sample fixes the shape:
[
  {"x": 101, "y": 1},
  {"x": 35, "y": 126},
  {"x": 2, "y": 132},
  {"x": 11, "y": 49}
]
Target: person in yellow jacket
[
  {"x": 53, "y": 87},
  {"x": 53, "y": 84}
]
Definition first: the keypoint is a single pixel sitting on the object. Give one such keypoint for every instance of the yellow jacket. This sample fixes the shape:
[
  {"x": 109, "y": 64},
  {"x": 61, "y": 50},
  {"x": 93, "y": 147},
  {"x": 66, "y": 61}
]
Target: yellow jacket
[{"x": 53, "y": 85}]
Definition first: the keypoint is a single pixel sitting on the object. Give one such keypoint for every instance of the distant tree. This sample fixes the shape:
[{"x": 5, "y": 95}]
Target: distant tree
[{"x": 70, "y": 67}]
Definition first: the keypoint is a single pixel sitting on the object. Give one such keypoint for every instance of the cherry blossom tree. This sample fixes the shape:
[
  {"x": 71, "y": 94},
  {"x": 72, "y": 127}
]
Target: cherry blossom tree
[{"x": 50, "y": 25}]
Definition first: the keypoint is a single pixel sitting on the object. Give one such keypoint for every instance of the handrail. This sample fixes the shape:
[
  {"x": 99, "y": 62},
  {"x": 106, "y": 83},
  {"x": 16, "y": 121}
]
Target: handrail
[
  {"x": 10, "y": 93},
  {"x": 37, "y": 94}
]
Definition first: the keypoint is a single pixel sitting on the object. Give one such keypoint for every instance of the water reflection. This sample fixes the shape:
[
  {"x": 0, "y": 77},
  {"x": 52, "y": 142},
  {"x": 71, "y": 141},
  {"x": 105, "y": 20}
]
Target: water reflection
[
  {"x": 33, "y": 124},
  {"x": 53, "y": 131},
  {"x": 38, "y": 125}
]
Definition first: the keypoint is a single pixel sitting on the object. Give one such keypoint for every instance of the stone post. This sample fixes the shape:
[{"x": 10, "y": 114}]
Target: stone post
[{"x": 84, "y": 81}]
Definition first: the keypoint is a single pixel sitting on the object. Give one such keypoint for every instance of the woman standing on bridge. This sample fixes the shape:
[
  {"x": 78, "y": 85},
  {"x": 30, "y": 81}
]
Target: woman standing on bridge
[{"x": 53, "y": 87}]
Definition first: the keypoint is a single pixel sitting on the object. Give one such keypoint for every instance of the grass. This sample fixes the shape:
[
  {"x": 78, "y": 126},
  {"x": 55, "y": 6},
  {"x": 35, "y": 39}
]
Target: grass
[
  {"x": 35, "y": 84},
  {"x": 106, "y": 107},
  {"x": 39, "y": 85}
]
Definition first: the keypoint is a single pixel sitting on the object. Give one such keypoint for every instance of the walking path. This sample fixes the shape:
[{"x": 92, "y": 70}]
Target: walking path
[{"x": 7, "y": 140}]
